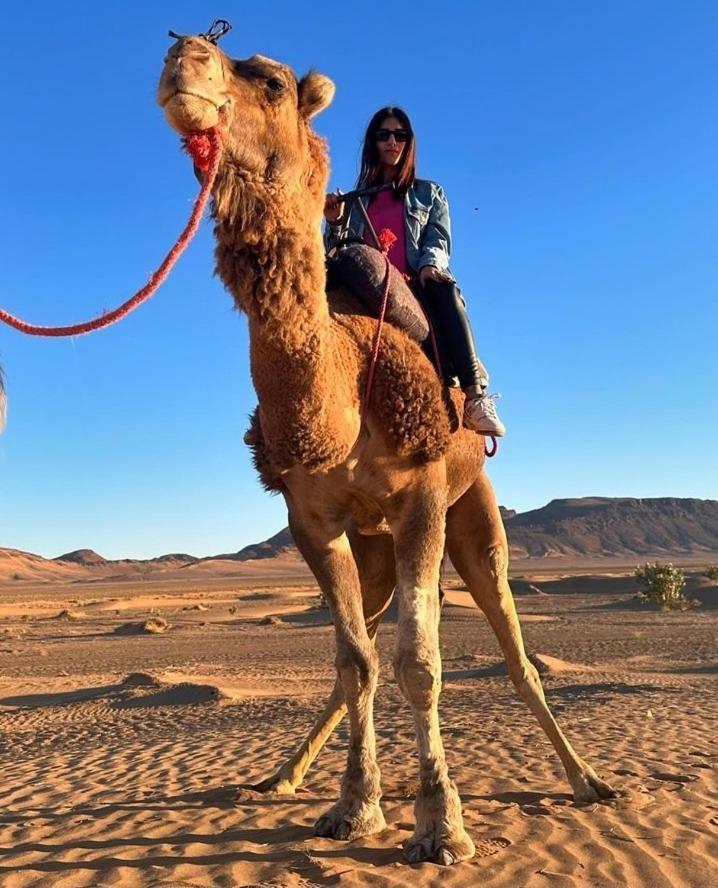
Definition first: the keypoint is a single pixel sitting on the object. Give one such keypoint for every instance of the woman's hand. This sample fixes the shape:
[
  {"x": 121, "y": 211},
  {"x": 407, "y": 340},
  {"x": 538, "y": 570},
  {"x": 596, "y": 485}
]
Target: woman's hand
[
  {"x": 431, "y": 273},
  {"x": 334, "y": 208}
]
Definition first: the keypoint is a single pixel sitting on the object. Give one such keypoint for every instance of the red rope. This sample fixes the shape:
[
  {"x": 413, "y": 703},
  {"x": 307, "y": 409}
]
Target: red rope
[
  {"x": 377, "y": 334},
  {"x": 494, "y": 449},
  {"x": 205, "y": 149}
]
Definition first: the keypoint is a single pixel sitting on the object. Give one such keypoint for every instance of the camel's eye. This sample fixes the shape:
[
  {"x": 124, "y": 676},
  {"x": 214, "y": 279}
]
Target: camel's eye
[{"x": 275, "y": 84}]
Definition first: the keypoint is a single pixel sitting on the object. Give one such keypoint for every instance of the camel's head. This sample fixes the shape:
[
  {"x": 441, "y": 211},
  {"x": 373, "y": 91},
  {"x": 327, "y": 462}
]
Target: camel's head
[{"x": 260, "y": 106}]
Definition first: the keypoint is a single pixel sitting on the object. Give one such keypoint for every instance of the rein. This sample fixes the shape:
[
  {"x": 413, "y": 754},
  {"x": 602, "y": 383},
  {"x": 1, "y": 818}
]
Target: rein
[
  {"x": 205, "y": 148},
  {"x": 384, "y": 242}
]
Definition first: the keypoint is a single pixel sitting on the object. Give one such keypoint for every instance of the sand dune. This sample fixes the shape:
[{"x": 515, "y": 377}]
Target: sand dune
[{"x": 123, "y": 755}]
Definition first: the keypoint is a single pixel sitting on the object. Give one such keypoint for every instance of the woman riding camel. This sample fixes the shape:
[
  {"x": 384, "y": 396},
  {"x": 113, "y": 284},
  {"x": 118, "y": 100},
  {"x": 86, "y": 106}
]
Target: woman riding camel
[{"x": 417, "y": 213}]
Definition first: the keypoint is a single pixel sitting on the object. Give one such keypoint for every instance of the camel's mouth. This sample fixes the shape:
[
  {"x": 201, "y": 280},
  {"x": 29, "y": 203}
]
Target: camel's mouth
[
  {"x": 190, "y": 112},
  {"x": 186, "y": 92}
]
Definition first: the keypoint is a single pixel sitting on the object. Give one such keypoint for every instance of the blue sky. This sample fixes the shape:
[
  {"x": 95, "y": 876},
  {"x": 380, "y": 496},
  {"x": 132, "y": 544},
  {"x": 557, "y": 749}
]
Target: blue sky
[{"x": 577, "y": 144}]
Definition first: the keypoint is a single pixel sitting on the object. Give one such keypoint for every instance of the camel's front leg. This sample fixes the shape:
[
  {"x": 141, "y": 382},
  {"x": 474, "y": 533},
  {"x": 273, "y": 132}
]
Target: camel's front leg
[
  {"x": 419, "y": 540},
  {"x": 477, "y": 547},
  {"x": 327, "y": 552},
  {"x": 374, "y": 558}
]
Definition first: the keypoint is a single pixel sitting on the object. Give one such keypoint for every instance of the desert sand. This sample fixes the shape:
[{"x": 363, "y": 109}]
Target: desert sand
[{"x": 124, "y": 751}]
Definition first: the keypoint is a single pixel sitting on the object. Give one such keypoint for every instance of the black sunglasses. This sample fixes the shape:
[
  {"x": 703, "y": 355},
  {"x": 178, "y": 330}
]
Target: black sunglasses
[{"x": 383, "y": 135}]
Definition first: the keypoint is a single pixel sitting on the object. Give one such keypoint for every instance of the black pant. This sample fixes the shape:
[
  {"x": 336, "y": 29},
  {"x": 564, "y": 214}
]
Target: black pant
[{"x": 445, "y": 307}]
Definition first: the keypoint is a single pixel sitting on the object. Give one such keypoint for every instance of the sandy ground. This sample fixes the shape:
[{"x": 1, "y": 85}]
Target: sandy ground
[{"x": 115, "y": 779}]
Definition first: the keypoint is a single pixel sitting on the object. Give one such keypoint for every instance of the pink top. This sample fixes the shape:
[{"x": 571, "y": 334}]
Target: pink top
[{"x": 387, "y": 212}]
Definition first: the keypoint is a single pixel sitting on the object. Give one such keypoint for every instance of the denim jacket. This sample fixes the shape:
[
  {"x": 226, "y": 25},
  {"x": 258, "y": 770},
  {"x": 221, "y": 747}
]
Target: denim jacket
[{"x": 426, "y": 222}]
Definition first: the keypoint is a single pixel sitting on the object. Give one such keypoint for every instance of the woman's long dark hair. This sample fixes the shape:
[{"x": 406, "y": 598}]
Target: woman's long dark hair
[{"x": 370, "y": 173}]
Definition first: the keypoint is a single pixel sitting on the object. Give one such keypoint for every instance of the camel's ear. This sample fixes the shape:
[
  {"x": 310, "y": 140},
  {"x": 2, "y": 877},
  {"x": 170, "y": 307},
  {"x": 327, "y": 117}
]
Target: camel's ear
[{"x": 315, "y": 93}]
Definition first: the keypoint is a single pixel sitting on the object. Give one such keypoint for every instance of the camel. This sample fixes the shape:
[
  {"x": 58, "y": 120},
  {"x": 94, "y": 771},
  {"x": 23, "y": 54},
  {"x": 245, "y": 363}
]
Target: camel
[{"x": 372, "y": 495}]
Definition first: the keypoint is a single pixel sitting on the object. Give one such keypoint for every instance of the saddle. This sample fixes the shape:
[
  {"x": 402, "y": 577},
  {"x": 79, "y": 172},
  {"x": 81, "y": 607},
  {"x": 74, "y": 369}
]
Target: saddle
[{"x": 362, "y": 269}]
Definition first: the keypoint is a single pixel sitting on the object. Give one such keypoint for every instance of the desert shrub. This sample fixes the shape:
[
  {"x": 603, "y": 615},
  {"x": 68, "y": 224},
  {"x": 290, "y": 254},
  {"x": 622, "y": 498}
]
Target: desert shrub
[
  {"x": 662, "y": 584},
  {"x": 711, "y": 572}
]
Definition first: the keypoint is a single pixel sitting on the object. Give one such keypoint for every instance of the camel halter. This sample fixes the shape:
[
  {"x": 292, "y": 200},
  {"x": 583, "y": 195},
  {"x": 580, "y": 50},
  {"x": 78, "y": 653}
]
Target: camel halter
[{"x": 205, "y": 149}]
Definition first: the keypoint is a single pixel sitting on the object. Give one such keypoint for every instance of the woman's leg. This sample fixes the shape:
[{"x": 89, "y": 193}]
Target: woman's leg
[
  {"x": 445, "y": 306},
  {"x": 447, "y": 312}
]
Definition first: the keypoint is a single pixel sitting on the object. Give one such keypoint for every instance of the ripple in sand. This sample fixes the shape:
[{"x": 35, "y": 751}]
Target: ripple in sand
[
  {"x": 70, "y": 615},
  {"x": 674, "y": 778}
]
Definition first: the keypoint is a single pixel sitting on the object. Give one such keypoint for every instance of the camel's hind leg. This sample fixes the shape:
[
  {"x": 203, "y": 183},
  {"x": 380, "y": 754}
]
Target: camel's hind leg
[
  {"x": 374, "y": 556},
  {"x": 476, "y": 541}
]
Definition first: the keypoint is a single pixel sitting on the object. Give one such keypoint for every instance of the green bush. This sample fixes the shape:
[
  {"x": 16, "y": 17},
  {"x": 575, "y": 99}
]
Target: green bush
[
  {"x": 711, "y": 572},
  {"x": 662, "y": 584}
]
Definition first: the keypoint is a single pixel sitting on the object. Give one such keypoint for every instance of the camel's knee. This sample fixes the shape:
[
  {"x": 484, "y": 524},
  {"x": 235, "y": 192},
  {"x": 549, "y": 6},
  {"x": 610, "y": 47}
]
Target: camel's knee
[
  {"x": 495, "y": 560},
  {"x": 358, "y": 668},
  {"x": 526, "y": 680},
  {"x": 419, "y": 677},
  {"x": 487, "y": 573}
]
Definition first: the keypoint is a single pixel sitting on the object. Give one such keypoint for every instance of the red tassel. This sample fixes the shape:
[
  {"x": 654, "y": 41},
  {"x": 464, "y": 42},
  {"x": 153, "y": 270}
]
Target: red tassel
[
  {"x": 199, "y": 148},
  {"x": 387, "y": 239}
]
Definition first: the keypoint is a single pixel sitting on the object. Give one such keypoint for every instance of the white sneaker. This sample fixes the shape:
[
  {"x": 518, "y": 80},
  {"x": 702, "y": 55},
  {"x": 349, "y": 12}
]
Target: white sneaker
[{"x": 480, "y": 416}]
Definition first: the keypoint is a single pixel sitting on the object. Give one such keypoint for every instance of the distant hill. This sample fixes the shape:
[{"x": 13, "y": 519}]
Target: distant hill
[
  {"x": 607, "y": 527},
  {"x": 590, "y": 527},
  {"x": 82, "y": 556},
  {"x": 278, "y": 544}
]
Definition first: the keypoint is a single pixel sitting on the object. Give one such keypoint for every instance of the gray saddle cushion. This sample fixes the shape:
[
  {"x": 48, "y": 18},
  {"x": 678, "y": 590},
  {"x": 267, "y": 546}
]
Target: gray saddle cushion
[{"x": 363, "y": 269}]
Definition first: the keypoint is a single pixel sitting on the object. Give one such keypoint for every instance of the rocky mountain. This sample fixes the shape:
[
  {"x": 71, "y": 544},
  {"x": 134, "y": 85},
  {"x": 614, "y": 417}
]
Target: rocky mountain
[
  {"x": 279, "y": 544},
  {"x": 610, "y": 527},
  {"x": 591, "y": 527},
  {"x": 82, "y": 556}
]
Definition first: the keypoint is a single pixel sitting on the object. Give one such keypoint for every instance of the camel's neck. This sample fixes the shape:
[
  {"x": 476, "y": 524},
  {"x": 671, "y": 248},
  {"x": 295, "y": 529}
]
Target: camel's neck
[{"x": 271, "y": 257}]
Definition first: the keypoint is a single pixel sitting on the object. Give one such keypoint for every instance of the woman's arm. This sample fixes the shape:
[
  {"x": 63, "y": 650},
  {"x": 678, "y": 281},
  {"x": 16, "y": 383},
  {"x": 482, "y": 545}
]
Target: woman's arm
[{"x": 435, "y": 240}]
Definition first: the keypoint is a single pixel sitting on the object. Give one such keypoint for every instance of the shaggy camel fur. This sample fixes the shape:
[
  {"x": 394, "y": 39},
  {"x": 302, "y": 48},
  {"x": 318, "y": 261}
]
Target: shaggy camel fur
[{"x": 370, "y": 502}]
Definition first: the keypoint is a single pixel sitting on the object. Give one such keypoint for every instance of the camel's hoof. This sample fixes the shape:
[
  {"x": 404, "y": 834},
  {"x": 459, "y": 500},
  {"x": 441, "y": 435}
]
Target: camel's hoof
[
  {"x": 346, "y": 822},
  {"x": 275, "y": 783},
  {"x": 588, "y": 788},
  {"x": 442, "y": 849}
]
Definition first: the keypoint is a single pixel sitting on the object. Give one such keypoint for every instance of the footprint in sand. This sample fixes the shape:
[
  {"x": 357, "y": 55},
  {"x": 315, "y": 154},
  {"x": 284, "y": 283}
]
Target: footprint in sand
[{"x": 487, "y": 847}]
